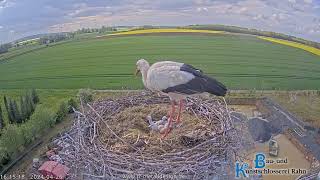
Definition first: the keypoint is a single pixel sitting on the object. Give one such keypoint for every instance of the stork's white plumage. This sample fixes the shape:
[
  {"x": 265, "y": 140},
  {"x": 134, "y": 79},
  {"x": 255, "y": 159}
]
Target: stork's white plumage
[{"x": 177, "y": 80}]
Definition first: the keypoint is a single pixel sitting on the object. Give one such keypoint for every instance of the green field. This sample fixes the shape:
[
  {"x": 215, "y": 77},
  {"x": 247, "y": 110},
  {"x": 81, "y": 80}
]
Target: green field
[{"x": 241, "y": 62}]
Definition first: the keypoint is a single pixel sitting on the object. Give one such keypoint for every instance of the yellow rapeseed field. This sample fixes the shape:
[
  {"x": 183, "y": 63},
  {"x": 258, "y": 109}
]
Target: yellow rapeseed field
[
  {"x": 311, "y": 49},
  {"x": 147, "y": 31}
]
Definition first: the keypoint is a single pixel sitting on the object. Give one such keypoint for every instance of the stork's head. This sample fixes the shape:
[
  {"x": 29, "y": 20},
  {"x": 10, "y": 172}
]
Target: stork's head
[{"x": 142, "y": 65}]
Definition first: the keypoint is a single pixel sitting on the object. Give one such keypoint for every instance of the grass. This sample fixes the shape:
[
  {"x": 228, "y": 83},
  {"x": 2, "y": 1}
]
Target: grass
[
  {"x": 13, "y": 52},
  {"x": 313, "y": 50},
  {"x": 241, "y": 62},
  {"x": 48, "y": 97},
  {"x": 18, "y": 51},
  {"x": 23, "y": 49},
  {"x": 304, "y": 105}
]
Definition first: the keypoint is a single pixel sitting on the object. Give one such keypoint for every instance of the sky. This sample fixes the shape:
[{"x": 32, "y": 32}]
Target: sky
[{"x": 19, "y": 18}]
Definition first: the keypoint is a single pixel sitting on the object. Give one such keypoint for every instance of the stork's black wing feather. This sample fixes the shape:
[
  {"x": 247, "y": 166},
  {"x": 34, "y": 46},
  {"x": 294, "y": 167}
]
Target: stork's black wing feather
[
  {"x": 199, "y": 84},
  {"x": 190, "y": 69}
]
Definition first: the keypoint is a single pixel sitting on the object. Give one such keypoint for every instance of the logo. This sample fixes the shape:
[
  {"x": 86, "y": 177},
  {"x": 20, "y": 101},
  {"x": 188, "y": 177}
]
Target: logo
[
  {"x": 240, "y": 169},
  {"x": 260, "y": 162}
]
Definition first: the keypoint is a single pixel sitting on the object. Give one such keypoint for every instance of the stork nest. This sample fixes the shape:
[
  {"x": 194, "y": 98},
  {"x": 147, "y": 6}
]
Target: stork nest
[{"x": 110, "y": 139}]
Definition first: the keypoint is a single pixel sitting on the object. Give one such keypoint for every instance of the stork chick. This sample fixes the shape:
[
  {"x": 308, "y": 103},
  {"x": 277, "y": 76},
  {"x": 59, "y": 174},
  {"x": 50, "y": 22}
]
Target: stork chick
[
  {"x": 177, "y": 80},
  {"x": 160, "y": 126}
]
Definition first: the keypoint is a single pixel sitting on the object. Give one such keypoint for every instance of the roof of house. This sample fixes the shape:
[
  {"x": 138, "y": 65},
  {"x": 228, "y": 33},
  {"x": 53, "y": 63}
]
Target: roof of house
[{"x": 54, "y": 168}]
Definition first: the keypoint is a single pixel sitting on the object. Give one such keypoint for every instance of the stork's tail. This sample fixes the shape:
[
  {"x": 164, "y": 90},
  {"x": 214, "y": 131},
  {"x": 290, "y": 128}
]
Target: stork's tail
[{"x": 215, "y": 87}]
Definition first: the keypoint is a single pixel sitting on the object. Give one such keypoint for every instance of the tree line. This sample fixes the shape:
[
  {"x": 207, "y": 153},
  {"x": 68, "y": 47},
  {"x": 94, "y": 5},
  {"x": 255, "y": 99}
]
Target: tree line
[
  {"x": 103, "y": 29},
  {"x": 52, "y": 38},
  {"x": 19, "y": 114},
  {"x": 16, "y": 137},
  {"x": 5, "y": 47}
]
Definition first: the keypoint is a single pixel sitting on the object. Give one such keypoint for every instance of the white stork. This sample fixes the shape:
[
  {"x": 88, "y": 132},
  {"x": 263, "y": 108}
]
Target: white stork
[{"x": 177, "y": 80}]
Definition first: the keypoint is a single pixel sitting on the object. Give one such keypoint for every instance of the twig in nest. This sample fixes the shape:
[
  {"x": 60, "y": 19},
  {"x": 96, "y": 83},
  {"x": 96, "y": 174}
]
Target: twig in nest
[{"x": 111, "y": 129}]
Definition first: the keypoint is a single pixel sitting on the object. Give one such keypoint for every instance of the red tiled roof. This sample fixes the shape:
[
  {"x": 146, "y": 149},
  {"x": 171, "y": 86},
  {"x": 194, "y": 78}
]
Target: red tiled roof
[{"x": 54, "y": 169}]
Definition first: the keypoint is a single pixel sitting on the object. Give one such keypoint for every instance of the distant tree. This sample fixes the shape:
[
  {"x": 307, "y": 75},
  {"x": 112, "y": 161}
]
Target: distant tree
[
  {"x": 54, "y": 38},
  {"x": 71, "y": 34},
  {"x": 35, "y": 97},
  {"x": 62, "y": 112},
  {"x": 1, "y": 119},
  {"x": 102, "y": 29},
  {"x": 16, "y": 112},
  {"x": 5, "y": 48},
  {"x": 23, "y": 109},
  {"x": 11, "y": 111},
  {"x": 7, "y": 105},
  {"x": 29, "y": 103}
]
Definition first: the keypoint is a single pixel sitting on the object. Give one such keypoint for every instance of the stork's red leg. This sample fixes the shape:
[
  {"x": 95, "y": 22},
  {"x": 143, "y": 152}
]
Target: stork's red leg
[
  {"x": 179, "y": 113},
  {"x": 173, "y": 109},
  {"x": 169, "y": 128}
]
